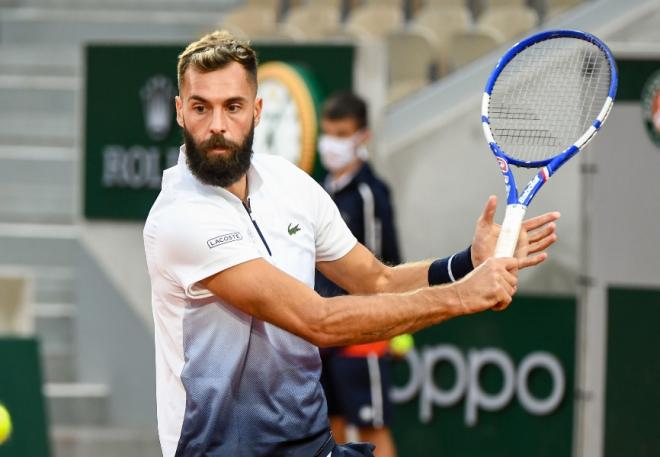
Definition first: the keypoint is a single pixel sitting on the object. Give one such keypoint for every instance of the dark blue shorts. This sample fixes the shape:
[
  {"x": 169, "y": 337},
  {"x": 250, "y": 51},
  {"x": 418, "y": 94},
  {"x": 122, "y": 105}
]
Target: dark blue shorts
[
  {"x": 331, "y": 449},
  {"x": 353, "y": 450},
  {"x": 357, "y": 388}
]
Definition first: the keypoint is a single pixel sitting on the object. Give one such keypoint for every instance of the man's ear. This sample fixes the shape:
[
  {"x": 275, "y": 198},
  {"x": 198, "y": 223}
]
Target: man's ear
[
  {"x": 179, "y": 110},
  {"x": 365, "y": 137},
  {"x": 258, "y": 106}
]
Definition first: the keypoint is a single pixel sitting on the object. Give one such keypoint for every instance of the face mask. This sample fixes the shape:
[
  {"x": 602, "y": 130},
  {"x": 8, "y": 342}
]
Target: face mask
[{"x": 337, "y": 153}]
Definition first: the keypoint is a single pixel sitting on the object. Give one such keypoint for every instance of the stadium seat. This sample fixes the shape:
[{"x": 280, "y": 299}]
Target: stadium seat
[
  {"x": 373, "y": 21},
  {"x": 251, "y": 21},
  {"x": 469, "y": 45},
  {"x": 492, "y": 4},
  {"x": 389, "y": 3},
  {"x": 311, "y": 21},
  {"x": 441, "y": 24},
  {"x": 343, "y": 6},
  {"x": 554, "y": 7},
  {"x": 325, "y": 3},
  {"x": 430, "y": 4},
  {"x": 410, "y": 57},
  {"x": 272, "y": 4},
  {"x": 16, "y": 317},
  {"x": 510, "y": 21}
]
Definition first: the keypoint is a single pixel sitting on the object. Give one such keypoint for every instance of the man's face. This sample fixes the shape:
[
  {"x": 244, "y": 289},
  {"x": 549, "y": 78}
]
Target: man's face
[
  {"x": 341, "y": 147},
  {"x": 340, "y": 128},
  {"x": 218, "y": 111}
]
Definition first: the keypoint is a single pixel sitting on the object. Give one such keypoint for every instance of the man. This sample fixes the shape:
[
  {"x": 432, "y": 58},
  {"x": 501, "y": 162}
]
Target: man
[
  {"x": 237, "y": 321},
  {"x": 355, "y": 378}
]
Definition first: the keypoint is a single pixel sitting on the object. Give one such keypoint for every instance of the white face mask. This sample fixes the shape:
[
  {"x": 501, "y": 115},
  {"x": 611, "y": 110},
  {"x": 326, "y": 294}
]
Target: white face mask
[{"x": 336, "y": 153}]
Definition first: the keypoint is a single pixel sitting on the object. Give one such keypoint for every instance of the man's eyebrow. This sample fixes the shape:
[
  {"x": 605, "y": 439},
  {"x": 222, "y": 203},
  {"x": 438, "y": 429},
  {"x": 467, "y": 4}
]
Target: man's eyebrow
[
  {"x": 237, "y": 99},
  {"x": 199, "y": 98}
]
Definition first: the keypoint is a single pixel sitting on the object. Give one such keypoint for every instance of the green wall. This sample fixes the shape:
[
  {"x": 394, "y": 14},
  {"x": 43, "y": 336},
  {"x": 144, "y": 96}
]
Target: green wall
[
  {"x": 632, "y": 411},
  {"x": 21, "y": 393}
]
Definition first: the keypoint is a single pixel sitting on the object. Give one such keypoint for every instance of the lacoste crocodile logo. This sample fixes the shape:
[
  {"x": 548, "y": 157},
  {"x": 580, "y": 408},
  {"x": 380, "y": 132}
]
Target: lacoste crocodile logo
[{"x": 293, "y": 230}]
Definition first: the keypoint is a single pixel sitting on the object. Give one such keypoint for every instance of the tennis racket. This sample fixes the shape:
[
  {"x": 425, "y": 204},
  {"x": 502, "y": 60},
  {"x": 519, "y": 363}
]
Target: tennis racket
[{"x": 545, "y": 100}]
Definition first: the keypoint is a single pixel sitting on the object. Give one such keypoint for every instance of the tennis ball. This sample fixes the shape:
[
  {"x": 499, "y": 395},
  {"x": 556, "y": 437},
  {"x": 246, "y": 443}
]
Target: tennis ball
[
  {"x": 402, "y": 344},
  {"x": 5, "y": 424}
]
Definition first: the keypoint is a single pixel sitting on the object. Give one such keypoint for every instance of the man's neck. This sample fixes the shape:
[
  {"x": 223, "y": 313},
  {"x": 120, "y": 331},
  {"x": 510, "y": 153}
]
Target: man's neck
[
  {"x": 351, "y": 168},
  {"x": 240, "y": 188}
]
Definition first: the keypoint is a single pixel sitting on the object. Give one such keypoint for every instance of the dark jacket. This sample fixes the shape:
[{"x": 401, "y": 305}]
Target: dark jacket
[{"x": 364, "y": 203}]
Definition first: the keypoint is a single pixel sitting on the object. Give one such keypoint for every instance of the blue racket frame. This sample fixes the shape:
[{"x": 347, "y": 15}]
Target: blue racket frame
[{"x": 549, "y": 166}]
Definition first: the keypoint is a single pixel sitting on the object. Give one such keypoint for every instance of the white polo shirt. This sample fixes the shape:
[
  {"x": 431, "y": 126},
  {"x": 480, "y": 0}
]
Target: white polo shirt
[{"x": 226, "y": 383}]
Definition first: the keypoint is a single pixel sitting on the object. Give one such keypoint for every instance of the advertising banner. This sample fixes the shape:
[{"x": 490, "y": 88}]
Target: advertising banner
[
  {"x": 494, "y": 384},
  {"x": 131, "y": 134}
]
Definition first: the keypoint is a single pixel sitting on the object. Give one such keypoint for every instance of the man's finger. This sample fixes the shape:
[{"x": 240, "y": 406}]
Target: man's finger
[
  {"x": 502, "y": 305},
  {"x": 538, "y": 221},
  {"x": 532, "y": 261},
  {"x": 511, "y": 277},
  {"x": 489, "y": 210},
  {"x": 509, "y": 263},
  {"x": 542, "y": 232},
  {"x": 508, "y": 286},
  {"x": 542, "y": 244}
]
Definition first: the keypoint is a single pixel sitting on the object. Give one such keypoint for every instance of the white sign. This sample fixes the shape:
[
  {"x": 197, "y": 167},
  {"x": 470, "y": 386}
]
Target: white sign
[{"x": 467, "y": 384}]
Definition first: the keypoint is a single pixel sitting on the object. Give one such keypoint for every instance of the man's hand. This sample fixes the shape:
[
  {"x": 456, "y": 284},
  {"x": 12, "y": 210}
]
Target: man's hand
[
  {"x": 536, "y": 235},
  {"x": 490, "y": 286}
]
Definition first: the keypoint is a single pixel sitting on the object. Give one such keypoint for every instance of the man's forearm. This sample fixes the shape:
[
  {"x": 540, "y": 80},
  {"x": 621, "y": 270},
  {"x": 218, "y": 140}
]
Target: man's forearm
[
  {"x": 359, "y": 319},
  {"x": 405, "y": 277},
  {"x": 411, "y": 276},
  {"x": 354, "y": 319}
]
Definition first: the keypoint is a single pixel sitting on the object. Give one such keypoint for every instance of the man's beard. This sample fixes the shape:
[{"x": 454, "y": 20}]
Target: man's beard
[{"x": 222, "y": 169}]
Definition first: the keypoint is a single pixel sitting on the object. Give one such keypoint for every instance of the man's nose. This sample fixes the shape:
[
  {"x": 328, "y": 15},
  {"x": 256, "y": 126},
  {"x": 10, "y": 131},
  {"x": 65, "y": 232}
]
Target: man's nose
[{"x": 218, "y": 123}]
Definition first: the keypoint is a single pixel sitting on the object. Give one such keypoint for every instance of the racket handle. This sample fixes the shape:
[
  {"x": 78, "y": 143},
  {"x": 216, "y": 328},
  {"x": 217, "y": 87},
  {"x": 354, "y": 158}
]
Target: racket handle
[{"x": 506, "y": 243}]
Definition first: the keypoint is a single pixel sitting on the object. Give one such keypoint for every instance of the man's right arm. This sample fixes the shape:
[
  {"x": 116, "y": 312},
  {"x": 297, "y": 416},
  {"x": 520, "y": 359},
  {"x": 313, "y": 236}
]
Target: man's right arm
[{"x": 265, "y": 292}]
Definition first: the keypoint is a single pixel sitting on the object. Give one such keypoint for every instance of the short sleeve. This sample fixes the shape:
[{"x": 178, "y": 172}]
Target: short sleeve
[
  {"x": 333, "y": 237},
  {"x": 199, "y": 241}
]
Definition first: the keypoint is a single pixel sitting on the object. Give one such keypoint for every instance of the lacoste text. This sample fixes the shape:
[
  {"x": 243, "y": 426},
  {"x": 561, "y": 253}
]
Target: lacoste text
[{"x": 224, "y": 239}]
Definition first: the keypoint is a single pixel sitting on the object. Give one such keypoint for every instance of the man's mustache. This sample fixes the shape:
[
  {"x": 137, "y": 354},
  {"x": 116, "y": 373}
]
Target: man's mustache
[{"x": 218, "y": 142}]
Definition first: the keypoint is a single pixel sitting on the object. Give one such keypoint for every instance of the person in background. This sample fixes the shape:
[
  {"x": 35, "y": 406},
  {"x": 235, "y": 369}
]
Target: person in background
[{"x": 356, "y": 378}]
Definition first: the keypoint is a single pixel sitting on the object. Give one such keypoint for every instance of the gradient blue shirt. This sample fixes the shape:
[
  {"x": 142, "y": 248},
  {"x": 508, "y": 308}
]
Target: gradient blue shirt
[{"x": 227, "y": 383}]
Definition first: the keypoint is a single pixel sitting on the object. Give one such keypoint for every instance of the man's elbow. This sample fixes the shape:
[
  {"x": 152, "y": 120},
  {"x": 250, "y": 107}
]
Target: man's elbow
[
  {"x": 318, "y": 331},
  {"x": 383, "y": 281},
  {"x": 318, "y": 337}
]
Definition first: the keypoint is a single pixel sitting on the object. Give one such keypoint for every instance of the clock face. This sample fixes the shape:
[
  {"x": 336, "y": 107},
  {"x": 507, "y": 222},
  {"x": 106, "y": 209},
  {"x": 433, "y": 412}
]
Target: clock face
[
  {"x": 280, "y": 129},
  {"x": 288, "y": 123}
]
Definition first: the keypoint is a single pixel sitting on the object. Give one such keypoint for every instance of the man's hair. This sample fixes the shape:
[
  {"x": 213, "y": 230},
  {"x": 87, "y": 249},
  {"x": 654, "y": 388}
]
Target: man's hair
[
  {"x": 217, "y": 50},
  {"x": 342, "y": 105}
]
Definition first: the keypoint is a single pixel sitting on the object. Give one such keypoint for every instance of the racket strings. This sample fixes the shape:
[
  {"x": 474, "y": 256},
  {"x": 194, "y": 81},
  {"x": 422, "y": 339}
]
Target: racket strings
[{"x": 547, "y": 96}]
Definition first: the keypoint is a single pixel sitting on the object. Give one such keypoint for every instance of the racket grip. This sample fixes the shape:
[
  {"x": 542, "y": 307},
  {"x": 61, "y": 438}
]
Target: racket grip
[{"x": 506, "y": 243}]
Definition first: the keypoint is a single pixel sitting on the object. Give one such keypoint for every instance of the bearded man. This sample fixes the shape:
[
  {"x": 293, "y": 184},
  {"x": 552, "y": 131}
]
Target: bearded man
[{"x": 237, "y": 321}]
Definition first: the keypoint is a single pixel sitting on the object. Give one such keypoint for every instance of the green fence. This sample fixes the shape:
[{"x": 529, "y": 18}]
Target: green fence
[
  {"x": 632, "y": 411},
  {"x": 21, "y": 393}
]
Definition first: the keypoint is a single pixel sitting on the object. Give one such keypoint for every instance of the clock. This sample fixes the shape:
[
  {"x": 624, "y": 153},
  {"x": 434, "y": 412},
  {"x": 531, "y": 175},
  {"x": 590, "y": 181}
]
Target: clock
[{"x": 289, "y": 119}]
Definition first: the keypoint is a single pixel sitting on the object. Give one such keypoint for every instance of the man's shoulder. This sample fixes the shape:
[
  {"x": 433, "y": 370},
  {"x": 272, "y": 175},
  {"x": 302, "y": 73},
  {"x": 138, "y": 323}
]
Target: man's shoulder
[
  {"x": 274, "y": 163},
  {"x": 183, "y": 205},
  {"x": 367, "y": 176},
  {"x": 281, "y": 170}
]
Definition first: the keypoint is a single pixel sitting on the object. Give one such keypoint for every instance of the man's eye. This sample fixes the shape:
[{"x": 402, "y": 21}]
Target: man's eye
[
  {"x": 234, "y": 108},
  {"x": 198, "y": 108}
]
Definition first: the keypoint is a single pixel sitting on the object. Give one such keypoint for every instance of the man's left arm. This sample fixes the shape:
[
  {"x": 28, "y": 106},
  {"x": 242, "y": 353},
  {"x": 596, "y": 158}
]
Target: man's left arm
[{"x": 536, "y": 235}]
